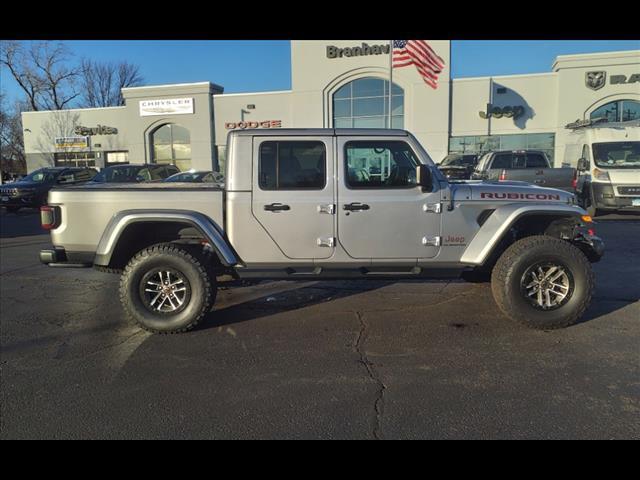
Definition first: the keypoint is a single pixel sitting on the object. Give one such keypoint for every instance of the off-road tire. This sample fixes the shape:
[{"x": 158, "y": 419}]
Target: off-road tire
[
  {"x": 506, "y": 281},
  {"x": 202, "y": 288}
]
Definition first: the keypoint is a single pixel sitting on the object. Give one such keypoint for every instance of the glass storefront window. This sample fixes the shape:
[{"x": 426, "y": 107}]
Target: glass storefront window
[
  {"x": 480, "y": 144},
  {"x": 172, "y": 143},
  {"x": 618, "y": 111},
  {"x": 364, "y": 103}
]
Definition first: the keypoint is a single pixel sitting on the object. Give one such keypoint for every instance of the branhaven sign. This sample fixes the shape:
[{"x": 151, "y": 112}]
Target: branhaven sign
[
  {"x": 166, "y": 106},
  {"x": 364, "y": 49}
]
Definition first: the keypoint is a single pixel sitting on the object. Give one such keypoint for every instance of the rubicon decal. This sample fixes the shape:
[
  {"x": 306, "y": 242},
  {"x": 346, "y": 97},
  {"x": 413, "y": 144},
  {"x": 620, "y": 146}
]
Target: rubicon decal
[{"x": 520, "y": 196}]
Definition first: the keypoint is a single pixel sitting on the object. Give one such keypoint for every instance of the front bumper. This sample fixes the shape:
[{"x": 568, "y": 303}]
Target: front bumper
[
  {"x": 606, "y": 199},
  {"x": 591, "y": 245}
]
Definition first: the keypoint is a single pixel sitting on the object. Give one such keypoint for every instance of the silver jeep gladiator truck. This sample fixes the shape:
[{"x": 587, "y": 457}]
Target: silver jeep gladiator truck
[{"x": 326, "y": 204}]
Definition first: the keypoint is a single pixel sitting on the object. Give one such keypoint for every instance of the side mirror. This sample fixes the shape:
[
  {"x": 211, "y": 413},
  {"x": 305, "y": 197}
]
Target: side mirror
[
  {"x": 583, "y": 164},
  {"x": 424, "y": 177}
]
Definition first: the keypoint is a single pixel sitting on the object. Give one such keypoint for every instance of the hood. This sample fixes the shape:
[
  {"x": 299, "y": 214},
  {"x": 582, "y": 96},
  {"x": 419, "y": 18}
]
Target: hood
[
  {"x": 623, "y": 176},
  {"x": 21, "y": 184},
  {"x": 516, "y": 191}
]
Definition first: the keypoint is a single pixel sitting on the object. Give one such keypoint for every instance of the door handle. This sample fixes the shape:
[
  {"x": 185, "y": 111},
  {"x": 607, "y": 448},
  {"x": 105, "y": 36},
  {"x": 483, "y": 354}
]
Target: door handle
[
  {"x": 352, "y": 207},
  {"x": 276, "y": 207}
]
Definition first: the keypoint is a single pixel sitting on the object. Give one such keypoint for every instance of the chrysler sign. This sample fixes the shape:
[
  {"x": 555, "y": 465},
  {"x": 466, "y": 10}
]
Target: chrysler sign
[{"x": 166, "y": 106}]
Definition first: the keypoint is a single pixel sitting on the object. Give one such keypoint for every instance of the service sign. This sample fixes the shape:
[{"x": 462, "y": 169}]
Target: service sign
[
  {"x": 166, "y": 106},
  {"x": 71, "y": 142}
]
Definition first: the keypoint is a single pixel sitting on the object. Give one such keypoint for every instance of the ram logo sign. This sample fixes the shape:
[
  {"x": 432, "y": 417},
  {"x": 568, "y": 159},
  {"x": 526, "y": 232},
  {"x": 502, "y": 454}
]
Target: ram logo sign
[{"x": 595, "y": 80}]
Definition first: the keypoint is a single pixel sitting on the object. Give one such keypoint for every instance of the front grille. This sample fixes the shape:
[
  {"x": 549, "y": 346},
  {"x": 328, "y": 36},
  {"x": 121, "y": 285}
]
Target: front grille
[
  {"x": 634, "y": 190},
  {"x": 10, "y": 192}
]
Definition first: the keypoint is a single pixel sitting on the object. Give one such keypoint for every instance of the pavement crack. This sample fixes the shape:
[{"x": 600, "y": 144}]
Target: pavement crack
[{"x": 378, "y": 405}]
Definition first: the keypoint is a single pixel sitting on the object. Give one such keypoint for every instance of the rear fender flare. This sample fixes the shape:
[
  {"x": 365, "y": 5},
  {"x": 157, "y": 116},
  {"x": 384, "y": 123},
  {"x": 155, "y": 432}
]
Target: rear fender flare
[{"x": 207, "y": 228}]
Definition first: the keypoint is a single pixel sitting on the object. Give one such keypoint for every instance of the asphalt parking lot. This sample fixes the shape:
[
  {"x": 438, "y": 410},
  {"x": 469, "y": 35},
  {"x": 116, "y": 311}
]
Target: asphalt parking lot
[{"x": 365, "y": 359}]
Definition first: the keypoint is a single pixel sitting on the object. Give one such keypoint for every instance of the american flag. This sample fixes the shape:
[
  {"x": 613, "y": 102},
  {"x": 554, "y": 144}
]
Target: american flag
[{"x": 420, "y": 54}]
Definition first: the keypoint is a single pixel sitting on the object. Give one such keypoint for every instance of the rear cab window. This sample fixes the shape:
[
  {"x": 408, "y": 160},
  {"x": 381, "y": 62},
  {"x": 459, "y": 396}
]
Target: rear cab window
[{"x": 292, "y": 165}]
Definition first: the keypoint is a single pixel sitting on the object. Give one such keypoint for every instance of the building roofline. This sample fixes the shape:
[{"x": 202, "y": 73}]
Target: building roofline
[
  {"x": 74, "y": 109},
  {"x": 586, "y": 56},
  {"x": 518, "y": 75},
  {"x": 237, "y": 94},
  {"x": 171, "y": 85}
]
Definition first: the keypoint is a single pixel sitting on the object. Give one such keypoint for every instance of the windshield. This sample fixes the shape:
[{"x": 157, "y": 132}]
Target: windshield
[
  {"x": 117, "y": 174},
  {"x": 617, "y": 154},
  {"x": 42, "y": 176}
]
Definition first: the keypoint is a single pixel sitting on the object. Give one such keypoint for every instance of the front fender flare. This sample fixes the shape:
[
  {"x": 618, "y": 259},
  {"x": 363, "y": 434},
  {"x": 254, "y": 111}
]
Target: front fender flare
[
  {"x": 207, "y": 227},
  {"x": 496, "y": 226}
]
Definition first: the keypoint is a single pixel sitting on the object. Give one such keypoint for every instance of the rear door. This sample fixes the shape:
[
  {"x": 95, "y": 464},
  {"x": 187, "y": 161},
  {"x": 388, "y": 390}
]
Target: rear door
[{"x": 293, "y": 196}]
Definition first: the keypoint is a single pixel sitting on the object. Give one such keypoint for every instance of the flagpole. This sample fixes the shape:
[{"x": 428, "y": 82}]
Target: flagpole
[{"x": 390, "y": 77}]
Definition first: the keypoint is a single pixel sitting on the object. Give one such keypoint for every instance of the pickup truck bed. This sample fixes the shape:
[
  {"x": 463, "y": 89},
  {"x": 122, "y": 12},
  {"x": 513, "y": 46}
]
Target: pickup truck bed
[{"x": 95, "y": 205}]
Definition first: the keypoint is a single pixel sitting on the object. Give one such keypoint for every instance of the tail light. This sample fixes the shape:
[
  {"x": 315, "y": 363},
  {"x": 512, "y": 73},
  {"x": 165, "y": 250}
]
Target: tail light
[
  {"x": 49, "y": 217},
  {"x": 503, "y": 175},
  {"x": 574, "y": 181}
]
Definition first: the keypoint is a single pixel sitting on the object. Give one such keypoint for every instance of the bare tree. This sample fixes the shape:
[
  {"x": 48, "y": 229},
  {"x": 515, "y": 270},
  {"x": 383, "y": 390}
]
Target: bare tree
[
  {"x": 43, "y": 72},
  {"x": 102, "y": 83},
  {"x": 12, "y": 156}
]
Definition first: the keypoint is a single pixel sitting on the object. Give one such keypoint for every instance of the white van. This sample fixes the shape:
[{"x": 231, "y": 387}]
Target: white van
[{"x": 607, "y": 159}]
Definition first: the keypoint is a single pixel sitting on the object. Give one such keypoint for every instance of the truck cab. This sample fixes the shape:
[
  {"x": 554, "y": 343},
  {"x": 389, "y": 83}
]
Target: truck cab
[{"x": 607, "y": 159}]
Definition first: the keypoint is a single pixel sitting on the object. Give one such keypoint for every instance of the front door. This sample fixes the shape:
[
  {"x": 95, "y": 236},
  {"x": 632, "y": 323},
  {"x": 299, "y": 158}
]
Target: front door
[
  {"x": 293, "y": 194},
  {"x": 382, "y": 212}
]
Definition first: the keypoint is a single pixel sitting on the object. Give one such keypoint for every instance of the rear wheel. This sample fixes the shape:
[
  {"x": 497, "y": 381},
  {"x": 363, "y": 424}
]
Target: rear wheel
[
  {"x": 543, "y": 282},
  {"x": 166, "y": 289}
]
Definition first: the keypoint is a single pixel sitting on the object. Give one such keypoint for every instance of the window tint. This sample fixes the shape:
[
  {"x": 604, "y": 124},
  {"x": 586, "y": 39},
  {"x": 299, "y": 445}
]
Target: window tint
[
  {"x": 535, "y": 160},
  {"x": 379, "y": 164},
  {"x": 502, "y": 160},
  {"x": 292, "y": 165}
]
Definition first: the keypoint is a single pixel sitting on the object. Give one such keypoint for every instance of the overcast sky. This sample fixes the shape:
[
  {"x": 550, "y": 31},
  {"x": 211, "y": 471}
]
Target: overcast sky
[{"x": 252, "y": 66}]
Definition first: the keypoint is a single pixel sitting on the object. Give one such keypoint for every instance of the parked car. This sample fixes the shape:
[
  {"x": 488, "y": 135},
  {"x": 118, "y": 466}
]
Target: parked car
[
  {"x": 131, "y": 173},
  {"x": 31, "y": 191},
  {"x": 458, "y": 166},
  {"x": 531, "y": 166},
  {"x": 294, "y": 212},
  {"x": 205, "y": 176}
]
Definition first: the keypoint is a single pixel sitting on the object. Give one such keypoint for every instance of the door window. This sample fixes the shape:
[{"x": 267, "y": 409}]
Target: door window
[
  {"x": 380, "y": 164},
  {"x": 290, "y": 165}
]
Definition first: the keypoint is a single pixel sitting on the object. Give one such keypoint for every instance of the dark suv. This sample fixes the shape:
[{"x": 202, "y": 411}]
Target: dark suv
[
  {"x": 130, "y": 173},
  {"x": 32, "y": 190}
]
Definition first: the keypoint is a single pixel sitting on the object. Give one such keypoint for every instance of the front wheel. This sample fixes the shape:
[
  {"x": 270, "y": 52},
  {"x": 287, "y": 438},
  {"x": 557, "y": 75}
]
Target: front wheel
[
  {"x": 543, "y": 282},
  {"x": 166, "y": 289}
]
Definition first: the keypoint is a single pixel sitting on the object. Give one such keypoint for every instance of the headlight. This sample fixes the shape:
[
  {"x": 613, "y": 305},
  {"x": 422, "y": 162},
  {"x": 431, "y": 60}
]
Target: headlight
[{"x": 601, "y": 175}]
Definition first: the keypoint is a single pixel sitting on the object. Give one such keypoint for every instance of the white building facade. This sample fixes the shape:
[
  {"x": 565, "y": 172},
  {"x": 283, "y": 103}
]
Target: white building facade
[{"x": 344, "y": 84}]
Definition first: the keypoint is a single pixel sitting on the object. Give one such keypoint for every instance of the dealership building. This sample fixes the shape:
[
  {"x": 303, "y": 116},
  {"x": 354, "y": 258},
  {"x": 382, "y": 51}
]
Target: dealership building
[{"x": 344, "y": 84}]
